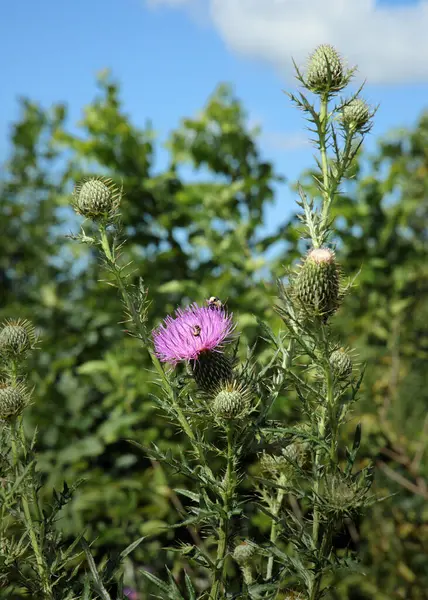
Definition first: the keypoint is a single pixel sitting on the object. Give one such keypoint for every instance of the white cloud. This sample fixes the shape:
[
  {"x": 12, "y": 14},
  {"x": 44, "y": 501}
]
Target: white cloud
[{"x": 389, "y": 43}]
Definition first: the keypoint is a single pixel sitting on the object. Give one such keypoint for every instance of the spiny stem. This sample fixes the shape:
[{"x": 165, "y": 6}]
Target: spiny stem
[
  {"x": 141, "y": 330},
  {"x": 328, "y": 409},
  {"x": 33, "y": 490},
  {"x": 229, "y": 488},
  {"x": 41, "y": 564},
  {"x": 274, "y": 526},
  {"x": 322, "y": 130}
]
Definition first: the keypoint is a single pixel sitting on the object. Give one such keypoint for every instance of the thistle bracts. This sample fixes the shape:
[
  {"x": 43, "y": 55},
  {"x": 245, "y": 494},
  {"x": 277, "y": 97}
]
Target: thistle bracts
[
  {"x": 326, "y": 71},
  {"x": 97, "y": 198},
  {"x": 210, "y": 370},
  {"x": 13, "y": 399},
  {"x": 317, "y": 285},
  {"x": 356, "y": 114},
  {"x": 341, "y": 364},
  {"x": 17, "y": 338},
  {"x": 232, "y": 401}
]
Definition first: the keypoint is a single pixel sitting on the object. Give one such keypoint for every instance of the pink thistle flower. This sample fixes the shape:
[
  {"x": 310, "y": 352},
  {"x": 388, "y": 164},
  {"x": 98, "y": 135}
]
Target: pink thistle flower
[{"x": 194, "y": 330}]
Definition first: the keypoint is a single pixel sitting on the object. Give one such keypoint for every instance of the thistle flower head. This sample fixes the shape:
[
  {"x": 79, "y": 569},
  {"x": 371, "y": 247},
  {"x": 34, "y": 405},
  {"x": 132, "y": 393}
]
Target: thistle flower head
[
  {"x": 341, "y": 364},
  {"x": 356, "y": 114},
  {"x": 232, "y": 401},
  {"x": 17, "y": 338},
  {"x": 193, "y": 332},
  {"x": 326, "y": 71},
  {"x": 13, "y": 399},
  {"x": 244, "y": 553},
  {"x": 317, "y": 286},
  {"x": 96, "y": 198}
]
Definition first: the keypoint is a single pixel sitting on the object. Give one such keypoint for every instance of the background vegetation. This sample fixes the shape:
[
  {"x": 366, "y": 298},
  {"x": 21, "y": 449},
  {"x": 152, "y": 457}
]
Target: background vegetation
[{"x": 191, "y": 237}]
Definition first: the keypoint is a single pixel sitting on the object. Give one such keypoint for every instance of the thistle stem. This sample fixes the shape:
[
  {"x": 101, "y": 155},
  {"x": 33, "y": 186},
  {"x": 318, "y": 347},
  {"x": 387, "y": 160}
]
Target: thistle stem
[
  {"x": 274, "y": 526},
  {"x": 40, "y": 562},
  {"x": 140, "y": 329},
  {"x": 322, "y": 131},
  {"x": 229, "y": 488},
  {"x": 317, "y": 577}
]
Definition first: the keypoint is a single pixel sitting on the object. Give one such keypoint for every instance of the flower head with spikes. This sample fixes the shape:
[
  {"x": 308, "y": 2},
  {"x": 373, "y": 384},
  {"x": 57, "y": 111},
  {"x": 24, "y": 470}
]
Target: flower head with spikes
[{"x": 194, "y": 330}]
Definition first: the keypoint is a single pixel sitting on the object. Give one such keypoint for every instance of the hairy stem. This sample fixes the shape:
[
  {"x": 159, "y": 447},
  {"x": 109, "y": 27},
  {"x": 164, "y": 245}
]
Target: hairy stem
[{"x": 229, "y": 488}]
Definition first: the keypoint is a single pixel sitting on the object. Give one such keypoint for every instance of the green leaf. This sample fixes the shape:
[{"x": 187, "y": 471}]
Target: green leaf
[{"x": 192, "y": 495}]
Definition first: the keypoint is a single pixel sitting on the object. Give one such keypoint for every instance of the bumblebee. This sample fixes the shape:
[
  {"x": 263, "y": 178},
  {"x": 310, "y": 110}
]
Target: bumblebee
[
  {"x": 196, "y": 331},
  {"x": 215, "y": 303}
]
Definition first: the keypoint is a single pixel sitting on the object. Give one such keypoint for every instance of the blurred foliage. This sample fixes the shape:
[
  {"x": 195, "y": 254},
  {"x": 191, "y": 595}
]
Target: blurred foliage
[{"x": 194, "y": 229}]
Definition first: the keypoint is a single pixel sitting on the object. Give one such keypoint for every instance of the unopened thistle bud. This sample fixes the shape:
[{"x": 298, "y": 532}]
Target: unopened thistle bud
[
  {"x": 344, "y": 495},
  {"x": 356, "y": 114},
  {"x": 283, "y": 464},
  {"x": 244, "y": 553},
  {"x": 326, "y": 72},
  {"x": 17, "y": 338},
  {"x": 232, "y": 401},
  {"x": 96, "y": 198},
  {"x": 341, "y": 364},
  {"x": 13, "y": 400},
  {"x": 317, "y": 286}
]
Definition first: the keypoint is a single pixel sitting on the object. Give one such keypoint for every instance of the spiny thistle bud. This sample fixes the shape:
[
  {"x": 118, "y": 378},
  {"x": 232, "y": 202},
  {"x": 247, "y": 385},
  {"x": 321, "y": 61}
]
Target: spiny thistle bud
[
  {"x": 244, "y": 553},
  {"x": 232, "y": 401},
  {"x": 17, "y": 338},
  {"x": 210, "y": 370},
  {"x": 96, "y": 198},
  {"x": 282, "y": 464},
  {"x": 342, "y": 495},
  {"x": 356, "y": 114},
  {"x": 317, "y": 286},
  {"x": 13, "y": 400},
  {"x": 341, "y": 364},
  {"x": 325, "y": 71}
]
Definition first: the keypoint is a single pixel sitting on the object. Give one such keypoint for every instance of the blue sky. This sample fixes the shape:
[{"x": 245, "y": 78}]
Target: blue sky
[{"x": 169, "y": 55}]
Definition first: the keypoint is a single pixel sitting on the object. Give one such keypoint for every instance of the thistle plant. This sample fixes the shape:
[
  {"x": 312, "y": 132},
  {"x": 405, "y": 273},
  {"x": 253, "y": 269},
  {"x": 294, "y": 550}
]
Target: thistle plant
[
  {"x": 35, "y": 560},
  {"x": 307, "y": 481},
  {"x": 238, "y": 460}
]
